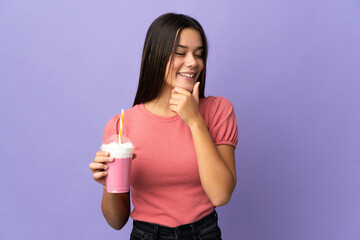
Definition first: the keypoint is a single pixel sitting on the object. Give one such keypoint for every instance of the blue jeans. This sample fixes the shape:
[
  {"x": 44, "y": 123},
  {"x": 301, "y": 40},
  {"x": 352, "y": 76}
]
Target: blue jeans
[{"x": 204, "y": 229}]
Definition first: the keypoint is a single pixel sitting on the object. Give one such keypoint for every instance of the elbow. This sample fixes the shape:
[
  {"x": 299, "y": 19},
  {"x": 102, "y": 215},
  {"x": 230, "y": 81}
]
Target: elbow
[
  {"x": 116, "y": 222},
  {"x": 116, "y": 225},
  {"x": 221, "y": 200},
  {"x": 222, "y": 197}
]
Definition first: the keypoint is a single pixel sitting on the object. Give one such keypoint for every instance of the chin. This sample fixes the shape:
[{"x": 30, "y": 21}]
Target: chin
[{"x": 187, "y": 86}]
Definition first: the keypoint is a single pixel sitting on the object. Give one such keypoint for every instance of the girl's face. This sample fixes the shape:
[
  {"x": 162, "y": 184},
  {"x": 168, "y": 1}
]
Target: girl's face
[{"x": 187, "y": 61}]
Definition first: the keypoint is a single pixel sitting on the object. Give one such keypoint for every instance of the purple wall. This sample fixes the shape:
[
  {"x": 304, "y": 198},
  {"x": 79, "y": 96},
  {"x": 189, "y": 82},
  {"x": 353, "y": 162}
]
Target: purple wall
[{"x": 291, "y": 69}]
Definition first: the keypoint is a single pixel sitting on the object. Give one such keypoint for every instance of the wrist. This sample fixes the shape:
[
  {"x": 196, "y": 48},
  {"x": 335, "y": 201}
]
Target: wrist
[{"x": 197, "y": 123}]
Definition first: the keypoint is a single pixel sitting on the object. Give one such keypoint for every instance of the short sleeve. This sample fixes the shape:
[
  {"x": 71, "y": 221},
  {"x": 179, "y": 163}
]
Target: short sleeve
[
  {"x": 222, "y": 122},
  {"x": 111, "y": 127}
]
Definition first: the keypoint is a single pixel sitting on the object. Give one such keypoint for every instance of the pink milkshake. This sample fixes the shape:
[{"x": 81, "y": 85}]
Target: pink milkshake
[{"x": 118, "y": 178}]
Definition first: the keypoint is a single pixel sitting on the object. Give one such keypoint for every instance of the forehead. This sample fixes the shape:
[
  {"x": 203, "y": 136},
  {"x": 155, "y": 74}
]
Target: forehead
[{"x": 191, "y": 38}]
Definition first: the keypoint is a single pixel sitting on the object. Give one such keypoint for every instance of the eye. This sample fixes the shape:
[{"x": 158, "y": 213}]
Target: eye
[
  {"x": 199, "y": 54},
  {"x": 181, "y": 54}
]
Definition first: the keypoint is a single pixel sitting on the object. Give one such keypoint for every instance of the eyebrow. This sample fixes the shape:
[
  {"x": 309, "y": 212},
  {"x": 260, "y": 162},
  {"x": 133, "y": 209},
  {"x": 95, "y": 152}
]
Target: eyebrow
[{"x": 202, "y": 47}]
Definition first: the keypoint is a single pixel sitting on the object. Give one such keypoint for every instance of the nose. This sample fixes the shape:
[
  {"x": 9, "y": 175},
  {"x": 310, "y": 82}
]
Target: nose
[{"x": 190, "y": 61}]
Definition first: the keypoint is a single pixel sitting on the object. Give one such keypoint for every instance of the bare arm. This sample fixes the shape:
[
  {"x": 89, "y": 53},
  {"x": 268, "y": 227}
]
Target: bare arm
[
  {"x": 116, "y": 208},
  {"x": 216, "y": 164}
]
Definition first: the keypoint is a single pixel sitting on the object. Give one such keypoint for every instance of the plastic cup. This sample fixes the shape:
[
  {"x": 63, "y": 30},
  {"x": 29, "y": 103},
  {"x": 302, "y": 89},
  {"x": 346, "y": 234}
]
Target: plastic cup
[{"x": 118, "y": 178}]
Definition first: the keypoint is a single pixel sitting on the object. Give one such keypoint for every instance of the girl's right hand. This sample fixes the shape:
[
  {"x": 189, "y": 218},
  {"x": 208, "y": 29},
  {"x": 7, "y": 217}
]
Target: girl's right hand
[{"x": 99, "y": 167}]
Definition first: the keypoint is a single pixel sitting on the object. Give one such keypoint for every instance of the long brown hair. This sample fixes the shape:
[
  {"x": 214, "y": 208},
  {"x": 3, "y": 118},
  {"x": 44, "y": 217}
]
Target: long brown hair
[{"x": 160, "y": 42}]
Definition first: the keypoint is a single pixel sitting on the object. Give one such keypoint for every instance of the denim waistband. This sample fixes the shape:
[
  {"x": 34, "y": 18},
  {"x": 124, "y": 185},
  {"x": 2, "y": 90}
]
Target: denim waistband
[{"x": 193, "y": 227}]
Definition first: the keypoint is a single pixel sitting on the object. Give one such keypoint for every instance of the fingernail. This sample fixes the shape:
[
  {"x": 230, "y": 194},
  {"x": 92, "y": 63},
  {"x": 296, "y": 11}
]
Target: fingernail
[
  {"x": 111, "y": 158},
  {"x": 106, "y": 167}
]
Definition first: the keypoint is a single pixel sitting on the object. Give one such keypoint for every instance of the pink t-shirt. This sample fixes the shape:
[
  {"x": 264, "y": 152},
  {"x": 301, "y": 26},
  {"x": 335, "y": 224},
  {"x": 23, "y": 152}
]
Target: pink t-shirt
[{"x": 165, "y": 182}]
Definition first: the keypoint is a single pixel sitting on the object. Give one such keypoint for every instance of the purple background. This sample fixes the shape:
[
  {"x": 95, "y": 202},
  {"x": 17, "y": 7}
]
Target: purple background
[{"x": 290, "y": 68}]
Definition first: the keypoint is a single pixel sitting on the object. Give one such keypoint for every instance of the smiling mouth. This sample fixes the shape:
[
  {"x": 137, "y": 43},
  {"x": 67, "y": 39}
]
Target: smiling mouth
[{"x": 189, "y": 75}]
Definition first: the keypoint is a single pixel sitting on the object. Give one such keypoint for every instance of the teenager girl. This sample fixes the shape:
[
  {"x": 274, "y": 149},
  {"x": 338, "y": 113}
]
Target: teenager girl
[{"x": 184, "y": 142}]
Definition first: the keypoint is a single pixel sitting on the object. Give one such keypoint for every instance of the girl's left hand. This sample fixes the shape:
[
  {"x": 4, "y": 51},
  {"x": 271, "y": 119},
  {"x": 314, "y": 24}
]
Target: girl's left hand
[{"x": 186, "y": 104}]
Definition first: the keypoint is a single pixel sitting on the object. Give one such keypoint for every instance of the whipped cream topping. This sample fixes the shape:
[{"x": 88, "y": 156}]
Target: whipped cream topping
[{"x": 116, "y": 150}]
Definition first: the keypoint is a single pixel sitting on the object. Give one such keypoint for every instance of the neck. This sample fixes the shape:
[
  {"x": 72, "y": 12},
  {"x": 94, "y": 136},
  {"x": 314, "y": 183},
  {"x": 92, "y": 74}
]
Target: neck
[{"x": 160, "y": 106}]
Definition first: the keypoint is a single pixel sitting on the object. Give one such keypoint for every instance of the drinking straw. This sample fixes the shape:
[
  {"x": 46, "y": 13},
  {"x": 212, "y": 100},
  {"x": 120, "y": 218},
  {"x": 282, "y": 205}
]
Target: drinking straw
[
  {"x": 120, "y": 129},
  {"x": 121, "y": 125}
]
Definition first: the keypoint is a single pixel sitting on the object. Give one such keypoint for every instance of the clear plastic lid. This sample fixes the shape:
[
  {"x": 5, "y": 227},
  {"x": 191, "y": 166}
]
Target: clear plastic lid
[{"x": 116, "y": 150}]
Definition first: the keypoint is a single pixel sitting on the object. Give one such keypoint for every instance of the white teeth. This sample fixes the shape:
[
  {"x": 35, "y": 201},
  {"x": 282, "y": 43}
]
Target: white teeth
[{"x": 187, "y": 75}]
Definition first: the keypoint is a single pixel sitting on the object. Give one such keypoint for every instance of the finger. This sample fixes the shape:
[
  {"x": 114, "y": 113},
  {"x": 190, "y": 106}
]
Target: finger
[
  {"x": 96, "y": 166},
  {"x": 173, "y": 108},
  {"x": 195, "y": 92},
  {"x": 174, "y": 101},
  {"x": 99, "y": 175},
  {"x": 180, "y": 90},
  {"x": 102, "y": 153},
  {"x": 101, "y": 159},
  {"x": 178, "y": 96}
]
